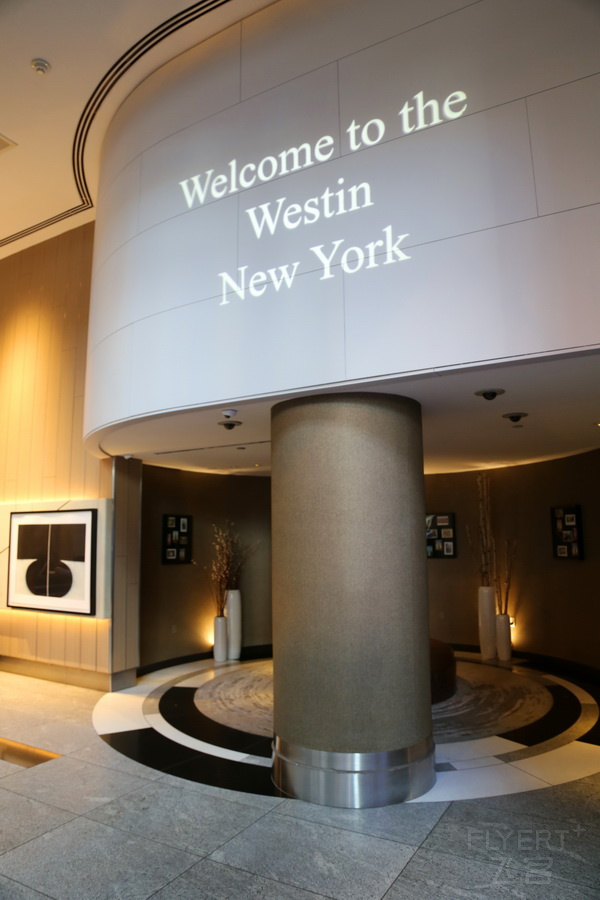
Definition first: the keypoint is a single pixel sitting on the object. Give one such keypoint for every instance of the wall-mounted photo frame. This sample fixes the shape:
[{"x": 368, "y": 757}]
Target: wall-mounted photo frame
[
  {"x": 567, "y": 532},
  {"x": 440, "y": 536},
  {"x": 52, "y": 561},
  {"x": 176, "y": 539}
]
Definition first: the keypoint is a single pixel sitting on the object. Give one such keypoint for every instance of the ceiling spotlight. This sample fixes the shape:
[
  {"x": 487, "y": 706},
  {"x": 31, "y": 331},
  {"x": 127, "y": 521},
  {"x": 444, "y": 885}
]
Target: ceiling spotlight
[
  {"x": 230, "y": 424},
  {"x": 41, "y": 66},
  {"x": 229, "y": 413},
  {"x": 515, "y": 417},
  {"x": 490, "y": 393}
]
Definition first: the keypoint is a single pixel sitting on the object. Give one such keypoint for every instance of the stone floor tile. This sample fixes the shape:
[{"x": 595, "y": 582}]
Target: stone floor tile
[
  {"x": 7, "y": 768},
  {"x": 576, "y": 802},
  {"x": 182, "y": 819},
  {"x": 11, "y": 890},
  {"x": 22, "y": 819},
  {"x": 71, "y": 784},
  {"x": 339, "y": 864},
  {"x": 439, "y": 876},
  {"x": 259, "y": 800},
  {"x": 409, "y": 823},
  {"x": 519, "y": 841},
  {"x": 99, "y": 753},
  {"x": 213, "y": 881},
  {"x": 57, "y": 735},
  {"x": 84, "y": 860}
]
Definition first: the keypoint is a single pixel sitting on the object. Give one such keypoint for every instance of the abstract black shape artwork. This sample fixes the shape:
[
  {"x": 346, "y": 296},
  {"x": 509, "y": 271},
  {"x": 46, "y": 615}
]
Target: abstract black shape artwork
[{"x": 52, "y": 561}]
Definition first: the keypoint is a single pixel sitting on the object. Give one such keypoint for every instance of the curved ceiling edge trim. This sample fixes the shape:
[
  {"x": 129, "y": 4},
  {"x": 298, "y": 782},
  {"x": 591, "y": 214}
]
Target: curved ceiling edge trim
[{"x": 102, "y": 90}]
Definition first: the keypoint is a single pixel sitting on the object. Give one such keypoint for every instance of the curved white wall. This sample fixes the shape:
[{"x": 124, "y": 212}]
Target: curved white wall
[{"x": 413, "y": 235}]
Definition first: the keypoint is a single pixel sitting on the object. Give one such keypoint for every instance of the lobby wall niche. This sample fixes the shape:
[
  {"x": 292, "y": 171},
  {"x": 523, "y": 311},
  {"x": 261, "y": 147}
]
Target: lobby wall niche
[
  {"x": 554, "y": 601},
  {"x": 176, "y": 602}
]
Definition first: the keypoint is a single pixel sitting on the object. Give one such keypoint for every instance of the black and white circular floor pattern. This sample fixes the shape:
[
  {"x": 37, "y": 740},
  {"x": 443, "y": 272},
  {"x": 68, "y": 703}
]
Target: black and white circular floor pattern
[{"x": 506, "y": 730}]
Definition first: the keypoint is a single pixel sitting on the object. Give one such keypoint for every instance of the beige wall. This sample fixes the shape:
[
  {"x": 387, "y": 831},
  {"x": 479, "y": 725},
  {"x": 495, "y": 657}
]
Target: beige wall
[
  {"x": 43, "y": 337},
  {"x": 176, "y": 602},
  {"x": 555, "y": 602}
]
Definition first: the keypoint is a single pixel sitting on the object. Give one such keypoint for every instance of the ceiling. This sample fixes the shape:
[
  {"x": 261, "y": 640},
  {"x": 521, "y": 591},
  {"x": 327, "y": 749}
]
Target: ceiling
[{"x": 54, "y": 124}]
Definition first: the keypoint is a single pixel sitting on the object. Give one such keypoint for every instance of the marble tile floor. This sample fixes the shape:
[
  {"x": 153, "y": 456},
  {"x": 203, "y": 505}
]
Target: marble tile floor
[{"x": 96, "y": 824}]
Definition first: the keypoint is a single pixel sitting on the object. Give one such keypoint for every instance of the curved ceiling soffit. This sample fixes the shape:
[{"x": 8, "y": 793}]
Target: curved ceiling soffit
[{"x": 97, "y": 98}]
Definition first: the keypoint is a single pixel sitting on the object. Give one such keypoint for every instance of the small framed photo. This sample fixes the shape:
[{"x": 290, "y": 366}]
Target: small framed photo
[
  {"x": 567, "y": 532},
  {"x": 176, "y": 539},
  {"x": 440, "y": 541}
]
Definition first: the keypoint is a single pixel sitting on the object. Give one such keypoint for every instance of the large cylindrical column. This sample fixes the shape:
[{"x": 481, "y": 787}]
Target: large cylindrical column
[{"x": 350, "y": 630}]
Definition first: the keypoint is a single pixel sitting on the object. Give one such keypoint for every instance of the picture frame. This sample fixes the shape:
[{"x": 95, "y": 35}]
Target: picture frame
[
  {"x": 176, "y": 539},
  {"x": 440, "y": 536},
  {"x": 52, "y": 561},
  {"x": 567, "y": 532}
]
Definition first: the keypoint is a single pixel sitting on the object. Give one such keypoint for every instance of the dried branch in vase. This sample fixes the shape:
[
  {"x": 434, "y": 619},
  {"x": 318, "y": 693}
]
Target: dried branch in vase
[{"x": 230, "y": 556}]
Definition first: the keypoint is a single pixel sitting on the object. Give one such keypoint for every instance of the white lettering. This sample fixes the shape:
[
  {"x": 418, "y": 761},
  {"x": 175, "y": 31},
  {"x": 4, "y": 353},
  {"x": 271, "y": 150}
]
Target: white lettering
[
  {"x": 285, "y": 277},
  {"x": 256, "y": 279},
  {"x": 432, "y": 108},
  {"x": 326, "y": 260},
  {"x": 370, "y": 134},
  {"x": 279, "y": 277},
  {"x": 266, "y": 217},
  {"x": 265, "y": 175},
  {"x": 392, "y": 253},
  {"x": 219, "y": 186},
  {"x": 324, "y": 148},
  {"x": 198, "y": 190},
  {"x": 456, "y": 97},
  {"x": 246, "y": 183},
  {"x": 353, "y": 258}
]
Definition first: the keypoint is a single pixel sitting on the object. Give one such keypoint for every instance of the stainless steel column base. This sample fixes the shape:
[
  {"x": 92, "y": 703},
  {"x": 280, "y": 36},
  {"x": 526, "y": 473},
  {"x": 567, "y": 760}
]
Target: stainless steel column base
[{"x": 353, "y": 780}]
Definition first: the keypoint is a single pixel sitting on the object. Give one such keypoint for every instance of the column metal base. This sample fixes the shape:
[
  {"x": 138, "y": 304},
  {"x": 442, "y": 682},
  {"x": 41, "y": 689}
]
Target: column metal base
[{"x": 353, "y": 780}]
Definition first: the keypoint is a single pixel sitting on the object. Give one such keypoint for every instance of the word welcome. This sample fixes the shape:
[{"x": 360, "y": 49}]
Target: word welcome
[{"x": 414, "y": 116}]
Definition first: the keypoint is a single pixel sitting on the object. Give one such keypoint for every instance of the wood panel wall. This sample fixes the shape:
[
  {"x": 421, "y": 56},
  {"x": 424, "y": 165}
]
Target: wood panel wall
[{"x": 44, "y": 301}]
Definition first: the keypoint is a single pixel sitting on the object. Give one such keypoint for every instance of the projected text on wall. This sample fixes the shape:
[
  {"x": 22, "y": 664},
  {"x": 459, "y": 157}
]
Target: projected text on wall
[{"x": 337, "y": 200}]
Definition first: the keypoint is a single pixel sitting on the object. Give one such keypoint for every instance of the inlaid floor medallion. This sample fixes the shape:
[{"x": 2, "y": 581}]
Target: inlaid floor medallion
[{"x": 507, "y": 729}]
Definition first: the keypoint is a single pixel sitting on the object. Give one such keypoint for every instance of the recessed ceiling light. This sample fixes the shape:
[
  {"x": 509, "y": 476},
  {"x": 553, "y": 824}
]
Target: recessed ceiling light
[
  {"x": 515, "y": 417},
  {"x": 41, "y": 66},
  {"x": 490, "y": 393}
]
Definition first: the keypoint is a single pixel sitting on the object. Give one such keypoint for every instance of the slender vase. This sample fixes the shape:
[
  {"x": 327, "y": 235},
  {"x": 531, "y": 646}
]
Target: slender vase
[
  {"x": 503, "y": 640},
  {"x": 486, "y": 598},
  {"x": 220, "y": 644},
  {"x": 233, "y": 610}
]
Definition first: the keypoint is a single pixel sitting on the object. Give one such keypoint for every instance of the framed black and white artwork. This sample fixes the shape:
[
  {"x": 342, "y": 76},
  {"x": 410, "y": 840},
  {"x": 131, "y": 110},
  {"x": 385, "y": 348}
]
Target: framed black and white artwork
[{"x": 52, "y": 561}]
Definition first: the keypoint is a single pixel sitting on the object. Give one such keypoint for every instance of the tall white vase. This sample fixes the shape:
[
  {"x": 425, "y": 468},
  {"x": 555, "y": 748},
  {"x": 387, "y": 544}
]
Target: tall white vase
[
  {"x": 220, "y": 644},
  {"x": 503, "y": 639},
  {"x": 233, "y": 611},
  {"x": 486, "y": 598}
]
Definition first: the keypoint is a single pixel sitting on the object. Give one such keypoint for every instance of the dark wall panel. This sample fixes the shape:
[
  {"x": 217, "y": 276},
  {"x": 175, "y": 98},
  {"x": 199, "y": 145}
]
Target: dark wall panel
[{"x": 176, "y": 603}]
